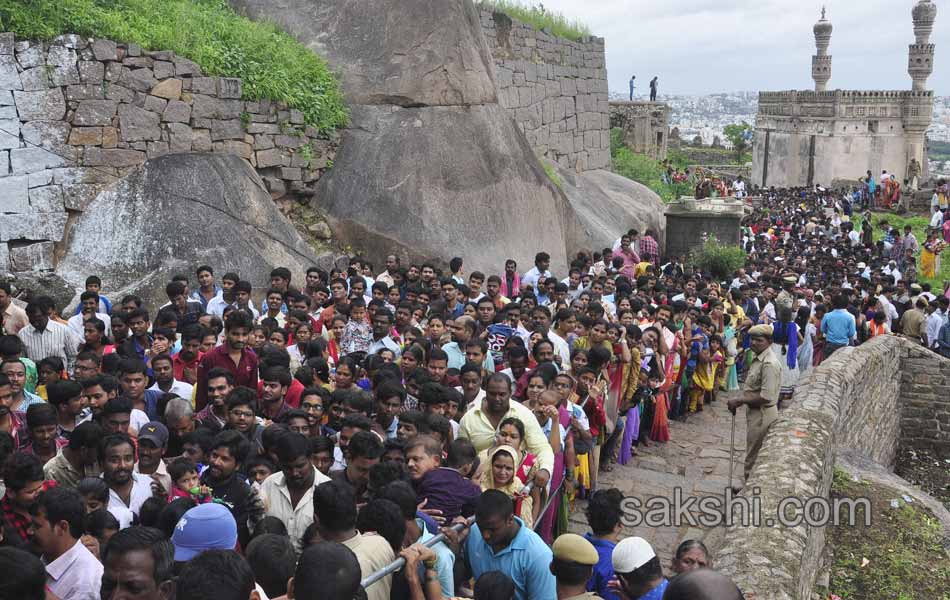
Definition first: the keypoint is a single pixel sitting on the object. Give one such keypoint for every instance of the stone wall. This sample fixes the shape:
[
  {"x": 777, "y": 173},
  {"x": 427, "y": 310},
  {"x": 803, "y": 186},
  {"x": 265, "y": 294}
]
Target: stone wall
[
  {"x": 857, "y": 400},
  {"x": 645, "y": 125},
  {"x": 925, "y": 412},
  {"x": 555, "y": 89},
  {"x": 806, "y": 137},
  {"x": 78, "y": 114}
]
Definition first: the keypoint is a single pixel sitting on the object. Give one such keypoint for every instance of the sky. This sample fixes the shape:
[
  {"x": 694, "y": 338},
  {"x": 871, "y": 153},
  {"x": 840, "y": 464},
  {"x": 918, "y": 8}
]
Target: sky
[{"x": 707, "y": 46}]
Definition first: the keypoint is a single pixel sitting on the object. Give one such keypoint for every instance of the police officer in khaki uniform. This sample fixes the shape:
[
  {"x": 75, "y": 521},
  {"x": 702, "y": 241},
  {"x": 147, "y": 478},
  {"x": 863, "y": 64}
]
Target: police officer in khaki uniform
[
  {"x": 573, "y": 564},
  {"x": 760, "y": 392}
]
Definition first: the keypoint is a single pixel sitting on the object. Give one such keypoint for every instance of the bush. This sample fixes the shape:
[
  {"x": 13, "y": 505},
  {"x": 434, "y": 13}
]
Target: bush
[
  {"x": 718, "y": 260},
  {"x": 540, "y": 18},
  {"x": 271, "y": 64},
  {"x": 643, "y": 169},
  {"x": 552, "y": 175}
]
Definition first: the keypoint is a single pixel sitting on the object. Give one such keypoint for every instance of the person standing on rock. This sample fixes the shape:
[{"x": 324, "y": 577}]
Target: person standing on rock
[
  {"x": 654, "y": 83},
  {"x": 632, "y": 82},
  {"x": 760, "y": 392}
]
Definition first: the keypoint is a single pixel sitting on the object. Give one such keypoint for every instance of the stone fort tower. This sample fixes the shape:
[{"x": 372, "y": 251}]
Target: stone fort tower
[{"x": 821, "y": 136}]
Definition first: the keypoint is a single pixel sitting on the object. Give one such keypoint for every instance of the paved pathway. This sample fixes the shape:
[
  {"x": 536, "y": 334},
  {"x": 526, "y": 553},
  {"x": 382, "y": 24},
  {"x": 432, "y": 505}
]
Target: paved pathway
[{"x": 695, "y": 460}]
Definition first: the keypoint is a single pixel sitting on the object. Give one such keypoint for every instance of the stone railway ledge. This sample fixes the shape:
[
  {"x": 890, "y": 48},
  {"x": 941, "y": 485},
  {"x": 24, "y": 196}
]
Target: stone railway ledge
[{"x": 869, "y": 400}]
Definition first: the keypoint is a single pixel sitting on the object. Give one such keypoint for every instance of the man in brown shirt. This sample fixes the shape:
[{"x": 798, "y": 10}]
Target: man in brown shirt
[
  {"x": 760, "y": 392},
  {"x": 914, "y": 322}
]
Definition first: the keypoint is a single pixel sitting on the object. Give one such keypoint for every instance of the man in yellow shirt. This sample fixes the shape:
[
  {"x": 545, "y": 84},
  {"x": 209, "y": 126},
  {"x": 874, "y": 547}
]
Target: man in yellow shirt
[{"x": 480, "y": 425}]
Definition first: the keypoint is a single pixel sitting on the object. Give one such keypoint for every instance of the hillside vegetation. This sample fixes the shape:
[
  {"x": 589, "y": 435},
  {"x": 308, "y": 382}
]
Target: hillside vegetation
[
  {"x": 541, "y": 18},
  {"x": 271, "y": 63}
]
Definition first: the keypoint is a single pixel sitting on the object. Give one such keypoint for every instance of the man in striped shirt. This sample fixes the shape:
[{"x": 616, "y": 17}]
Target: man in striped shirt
[{"x": 43, "y": 337}]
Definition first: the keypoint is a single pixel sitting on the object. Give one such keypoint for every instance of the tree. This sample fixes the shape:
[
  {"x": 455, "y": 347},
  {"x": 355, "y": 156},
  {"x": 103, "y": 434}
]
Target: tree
[
  {"x": 740, "y": 135},
  {"x": 697, "y": 141}
]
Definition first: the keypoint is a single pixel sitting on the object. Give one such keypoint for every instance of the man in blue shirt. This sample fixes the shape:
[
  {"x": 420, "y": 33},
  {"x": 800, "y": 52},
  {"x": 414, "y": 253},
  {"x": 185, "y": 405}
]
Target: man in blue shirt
[
  {"x": 838, "y": 326},
  {"x": 638, "y": 569},
  {"x": 499, "y": 541},
  {"x": 603, "y": 516}
]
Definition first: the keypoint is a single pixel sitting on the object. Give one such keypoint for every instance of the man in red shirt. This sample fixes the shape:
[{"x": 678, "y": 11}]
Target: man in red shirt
[
  {"x": 185, "y": 363},
  {"x": 234, "y": 355}
]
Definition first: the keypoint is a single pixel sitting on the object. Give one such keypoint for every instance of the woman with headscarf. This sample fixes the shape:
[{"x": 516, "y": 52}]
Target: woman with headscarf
[{"x": 501, "y": 473}]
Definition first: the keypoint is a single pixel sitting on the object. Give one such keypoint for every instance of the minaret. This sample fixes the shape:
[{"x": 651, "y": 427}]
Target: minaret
[
  {"x": 821, "y": 62},
  {"x": 921, "y": 53}
]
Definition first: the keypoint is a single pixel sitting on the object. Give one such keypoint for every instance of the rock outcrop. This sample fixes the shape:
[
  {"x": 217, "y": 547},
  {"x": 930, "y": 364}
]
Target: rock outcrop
[
  {"x": 609, "y": 205},
  {"x": 431, "y": 165},
  {"x": 179, "y": 211}
]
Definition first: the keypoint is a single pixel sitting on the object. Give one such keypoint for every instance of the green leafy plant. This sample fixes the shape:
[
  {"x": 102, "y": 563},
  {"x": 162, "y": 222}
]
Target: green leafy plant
[
  {"x": 643, "y": 169},
  {"x": 541, "y": 18},
  {"x": 740, "y": 136},
  {"x": 306, "y": 153},
  {"x": 552, "y": 175},
  {"x": 719, "y": 260},
  {"x": 270, "y": 62}
]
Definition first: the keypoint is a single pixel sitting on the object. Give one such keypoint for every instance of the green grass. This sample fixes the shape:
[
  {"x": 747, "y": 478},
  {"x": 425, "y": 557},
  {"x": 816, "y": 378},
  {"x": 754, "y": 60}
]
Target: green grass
[
  {"x": 552, "y": 174},
  {"x": 919, "y": 226},
  {"x": 643, "y": 169},
  {"x": 541, "y": 18},
  {"x": 900, "y": 556},
  {"x": 939, "y": 150},
  {"x": 271, "y": 64}
]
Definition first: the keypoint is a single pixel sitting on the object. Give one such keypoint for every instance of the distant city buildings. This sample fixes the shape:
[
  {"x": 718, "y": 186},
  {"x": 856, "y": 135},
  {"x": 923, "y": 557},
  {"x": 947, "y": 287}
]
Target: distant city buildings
[{"x": 708, "y": 115}]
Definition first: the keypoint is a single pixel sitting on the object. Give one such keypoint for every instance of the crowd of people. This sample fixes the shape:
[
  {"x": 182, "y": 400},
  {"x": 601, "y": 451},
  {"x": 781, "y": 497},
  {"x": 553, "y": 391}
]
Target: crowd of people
[{"x": 217, "y": 447}]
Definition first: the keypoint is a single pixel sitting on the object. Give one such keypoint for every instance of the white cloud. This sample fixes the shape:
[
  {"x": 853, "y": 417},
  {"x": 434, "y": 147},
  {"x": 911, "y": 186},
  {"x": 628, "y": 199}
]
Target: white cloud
[{"x": 704, "y": 46}]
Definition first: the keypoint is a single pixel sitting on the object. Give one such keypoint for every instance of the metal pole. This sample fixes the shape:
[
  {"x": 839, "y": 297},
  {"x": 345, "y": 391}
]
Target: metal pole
[
  {"x": 732, "y": 449},
  {"x": 400, "y": 562}
]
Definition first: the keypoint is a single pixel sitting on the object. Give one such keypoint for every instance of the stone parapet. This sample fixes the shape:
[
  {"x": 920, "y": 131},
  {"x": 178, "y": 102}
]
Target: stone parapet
[
  {"x": 869, "y": 400},
  {"x": 77, "y": 114},
  {"x": 555, "y": 89}
]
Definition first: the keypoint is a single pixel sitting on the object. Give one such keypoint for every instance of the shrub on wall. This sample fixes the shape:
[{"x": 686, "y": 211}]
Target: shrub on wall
[
  {"x": 271, "y": 63},
  {"x": 718, "y": 260},
  {"x": 643, "y": 169},
  {"x": 540, "y": 17}
]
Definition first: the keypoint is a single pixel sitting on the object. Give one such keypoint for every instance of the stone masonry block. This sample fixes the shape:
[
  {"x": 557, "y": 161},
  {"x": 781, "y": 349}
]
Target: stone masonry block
[
  {"x": 163, "y": 69},
  {"x": 33, "y": 226},
  {"x": 47, "y": 199},
  {"x": 31, "y": 56},
  {"x": 15, "y": 194},
  {"x": 9, "y": 133},
  {"x": 104, "y": 50},
  {"x": 6, "y": 43},
  {"x": 45, "y": 105},
  {"x": 177, "y": 112},
  {"x": 229, "y": 87},
  {"x": 31, "y": 160},
  {"x": 97, "y": 157},
  {"x": 9, "y": 74},
  {"x": 91, "y": 71},
  {"x": 32, "y": 257},
  {"x": 170, "y": 89},
  {"x": 138, "y": 124},
  {"x": 86, "y": 136},
  {"x": 230, "y": 129},
  {"x": 95, "y": 112}
]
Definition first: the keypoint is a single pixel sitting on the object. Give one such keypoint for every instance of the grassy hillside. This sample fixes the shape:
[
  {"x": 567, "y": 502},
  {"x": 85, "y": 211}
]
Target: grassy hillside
[
  {"x": 271, "y": 63},
  {"x": 540, "y": 18}
]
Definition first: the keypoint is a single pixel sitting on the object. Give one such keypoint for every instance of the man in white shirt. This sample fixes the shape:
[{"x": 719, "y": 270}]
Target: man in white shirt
[
  {"x": 44, "y": 337},
  {"x": 127, "y": 489},
  {"x": 72, "y": 571},
  {"x": 542, "y": 262},
  {"x": 165, "y": 382},
  {"x": 288, "y": 494},
  {"x": 936, "y": 319},
  {"x": 89, "y": 306}
]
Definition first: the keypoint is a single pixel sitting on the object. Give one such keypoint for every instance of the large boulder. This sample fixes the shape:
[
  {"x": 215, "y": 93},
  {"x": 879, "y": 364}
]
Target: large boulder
[
  {"x": 176, "y": 212},
  {"x": 444, "y": 182},
  {"x": 431, "y": 165},
  {"x": 608, "y": 205},
  {"x": 402, "y": 52}
]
